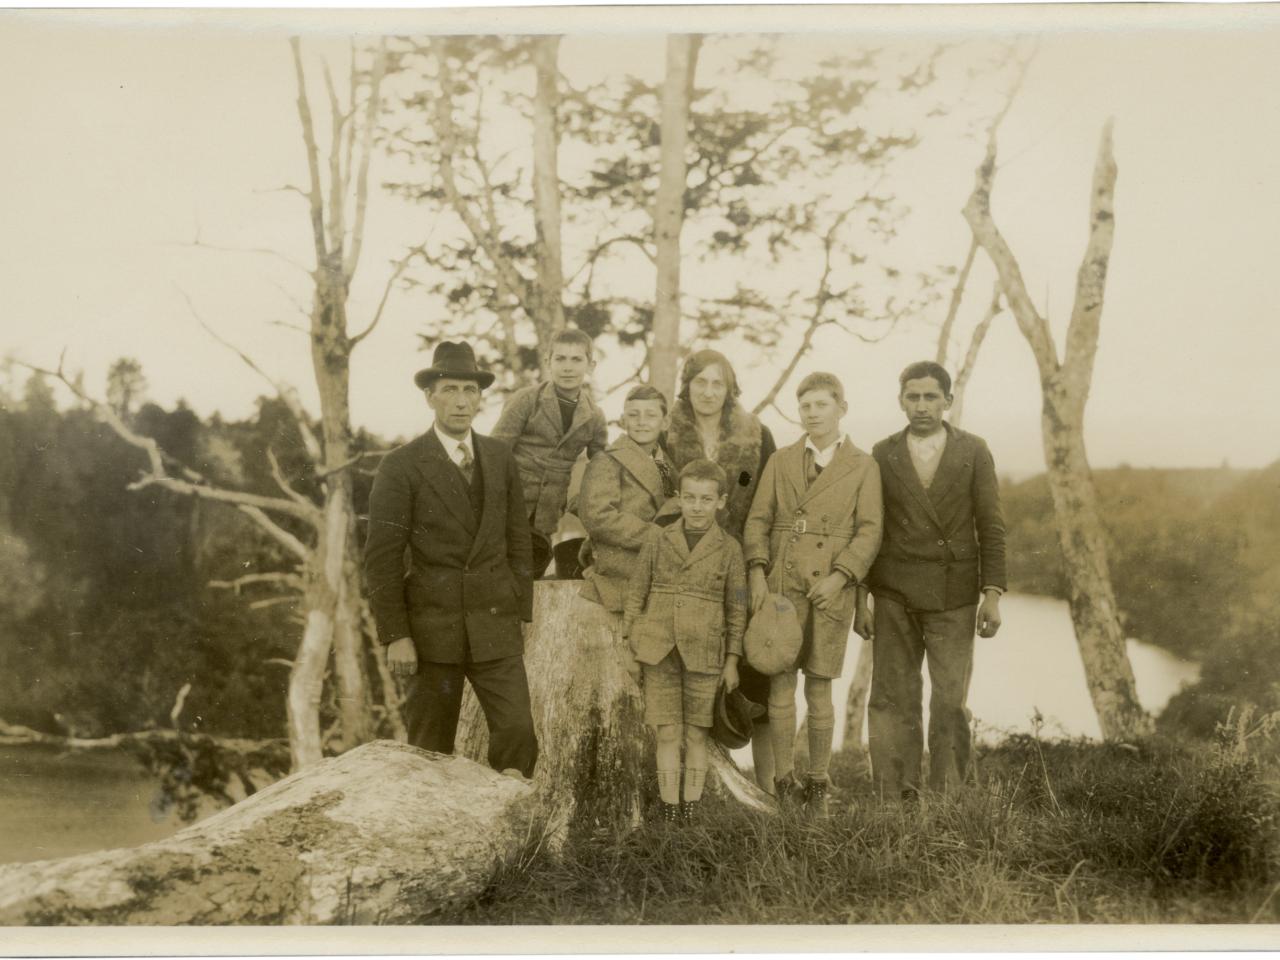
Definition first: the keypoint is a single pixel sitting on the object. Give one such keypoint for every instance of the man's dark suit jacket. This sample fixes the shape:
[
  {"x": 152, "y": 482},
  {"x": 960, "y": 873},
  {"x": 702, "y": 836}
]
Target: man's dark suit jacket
[
  {"x": 467, "y": 586},
  {"x": 944, "y": 544}
]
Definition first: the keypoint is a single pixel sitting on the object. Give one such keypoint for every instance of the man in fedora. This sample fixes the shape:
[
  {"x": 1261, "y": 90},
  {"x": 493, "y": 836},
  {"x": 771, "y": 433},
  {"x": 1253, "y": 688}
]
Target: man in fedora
[{"x": 453, "y": 498}]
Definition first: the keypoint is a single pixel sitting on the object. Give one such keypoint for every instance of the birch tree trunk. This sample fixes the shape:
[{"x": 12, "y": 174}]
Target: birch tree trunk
[
  {"x": 546, "y": 188},
  {"x": 1065, "y": 387},
  {"x": 855, "y": 714},
  {"x": 668, "y": 211}
]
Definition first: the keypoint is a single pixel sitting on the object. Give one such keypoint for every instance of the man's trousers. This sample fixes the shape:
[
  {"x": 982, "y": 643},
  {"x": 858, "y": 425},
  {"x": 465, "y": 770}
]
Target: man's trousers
[
  {"x": 903, "y": 638},
  {"x": 434, "y": 698}
]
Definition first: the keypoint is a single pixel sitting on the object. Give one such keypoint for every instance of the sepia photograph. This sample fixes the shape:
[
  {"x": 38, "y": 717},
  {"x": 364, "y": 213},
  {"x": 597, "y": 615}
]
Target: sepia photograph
[{"x": 738, "y": 468}]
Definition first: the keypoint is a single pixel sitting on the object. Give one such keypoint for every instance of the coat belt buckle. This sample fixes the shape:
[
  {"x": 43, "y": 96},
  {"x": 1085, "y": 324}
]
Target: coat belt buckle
[{"x": 800, "y": 526}]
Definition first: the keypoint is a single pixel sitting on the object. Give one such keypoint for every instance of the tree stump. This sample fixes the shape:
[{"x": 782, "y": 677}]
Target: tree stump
[
  {"x": 596, "y": 759},
  {"x": 386, "y": 833}
]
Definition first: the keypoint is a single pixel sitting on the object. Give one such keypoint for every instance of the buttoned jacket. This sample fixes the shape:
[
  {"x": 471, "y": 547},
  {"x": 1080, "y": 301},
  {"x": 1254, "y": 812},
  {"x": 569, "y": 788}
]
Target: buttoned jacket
[
  {"x": 694, "y": 601},
  {"x": 943, "y": 543},
  {"x": 801, "y": 532},
  {"x": 466, "y": 585},
  {"x": 620, "y": 495},
  {"x": 545, "y": 452}
]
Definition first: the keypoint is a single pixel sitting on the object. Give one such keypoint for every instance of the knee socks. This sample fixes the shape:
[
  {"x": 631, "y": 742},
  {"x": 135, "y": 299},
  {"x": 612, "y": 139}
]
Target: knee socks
[
  {"x": 695, "y": 763},
  {"x": 821, "y": 725},
  {"x": 668, "y": 757},
  {"x": 782, "y": 722}
]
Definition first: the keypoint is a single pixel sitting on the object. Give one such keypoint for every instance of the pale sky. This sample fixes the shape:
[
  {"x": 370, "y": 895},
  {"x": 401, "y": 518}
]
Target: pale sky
[{"x": 126, "y": 133}]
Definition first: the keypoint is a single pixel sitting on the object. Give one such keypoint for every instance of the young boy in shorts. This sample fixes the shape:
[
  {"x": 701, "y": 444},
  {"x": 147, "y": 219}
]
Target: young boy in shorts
[
  {"x": 812, "y": 533},
  {"x": 548, "y": 425},
  {"x": 685, "y": 613}
]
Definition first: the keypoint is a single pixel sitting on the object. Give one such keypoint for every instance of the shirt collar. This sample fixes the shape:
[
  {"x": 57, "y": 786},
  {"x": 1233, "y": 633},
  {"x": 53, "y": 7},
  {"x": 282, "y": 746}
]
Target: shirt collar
[
  {"x": 928, "y": 446},
  {"x": 451, "y": 445},
  {"x": 823, "y": 457}
]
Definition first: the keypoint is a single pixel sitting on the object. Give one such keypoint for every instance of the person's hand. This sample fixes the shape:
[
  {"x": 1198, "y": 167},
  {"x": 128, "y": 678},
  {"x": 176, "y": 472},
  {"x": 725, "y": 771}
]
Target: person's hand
[
  {"x": 729, "y": 675},
  {"x": 759, "y": 584},
  {"x": 402, "y": 658},
  {"x": 989, "y": 615},
  {"x": 824, "y": 593},
  {"x": 864, "y": 622}
]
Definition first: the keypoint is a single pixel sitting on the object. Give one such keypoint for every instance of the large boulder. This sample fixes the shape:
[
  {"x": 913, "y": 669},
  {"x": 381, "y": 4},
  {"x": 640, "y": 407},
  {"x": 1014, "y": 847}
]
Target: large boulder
[{"x": 385, "y": 833}]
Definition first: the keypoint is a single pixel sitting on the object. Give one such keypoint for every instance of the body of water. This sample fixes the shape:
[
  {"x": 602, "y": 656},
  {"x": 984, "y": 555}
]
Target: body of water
[{"x": 55, "y": 803}]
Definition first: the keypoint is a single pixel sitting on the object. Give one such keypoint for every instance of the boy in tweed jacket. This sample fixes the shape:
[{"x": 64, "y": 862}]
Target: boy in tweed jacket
[
  {"x": 685, "y": 614},
  {"x": 547, "y": 426}
]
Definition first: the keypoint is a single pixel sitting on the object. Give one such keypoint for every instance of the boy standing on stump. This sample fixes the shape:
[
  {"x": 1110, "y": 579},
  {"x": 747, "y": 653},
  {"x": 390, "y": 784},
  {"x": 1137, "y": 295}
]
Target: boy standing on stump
[
  {"x": 685, "y": 614},
  {"x": 548, "y": 425},
  {"x": 813, "y": 530}
]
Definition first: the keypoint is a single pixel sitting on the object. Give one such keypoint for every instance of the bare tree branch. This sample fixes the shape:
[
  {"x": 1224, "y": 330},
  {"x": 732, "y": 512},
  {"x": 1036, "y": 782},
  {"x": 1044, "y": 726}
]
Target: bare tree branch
[
  {"x": 314, "y": 194},
  {"x": 199, "y": 244},
  {"x": 372, "y": 110},
  {"x": 281, "y": 535},
  {"x": 337, "y": 178},
  {"x": 957, "y": 294},
  {"x": 12, "y": 734},
  {"x": 965, "y": 372},
  {"x": 288, "y": 396},
  {"x": 325, "y": 471},
  {"x": 282, "y": 483},
  {"x": 290, "y": 580},
  {"x": 401, "y": 264}
]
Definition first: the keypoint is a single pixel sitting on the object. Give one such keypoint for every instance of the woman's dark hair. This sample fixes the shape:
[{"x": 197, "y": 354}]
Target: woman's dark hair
[{"x": 694, "y": 365}]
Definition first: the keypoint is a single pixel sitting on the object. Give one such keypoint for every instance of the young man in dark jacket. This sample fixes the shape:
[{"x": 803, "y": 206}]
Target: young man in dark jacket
[{"x": 943, "y": 547}]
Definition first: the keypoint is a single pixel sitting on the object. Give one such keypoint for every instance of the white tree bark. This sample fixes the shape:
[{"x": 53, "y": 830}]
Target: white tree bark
[
  {"x": 668, "y": 211},
  {"x": 1065, "y": 387},
  {"x": 855, "y": 713},
  {"x": 546, "y": 188},
  {"x": 386, "y": 833}
]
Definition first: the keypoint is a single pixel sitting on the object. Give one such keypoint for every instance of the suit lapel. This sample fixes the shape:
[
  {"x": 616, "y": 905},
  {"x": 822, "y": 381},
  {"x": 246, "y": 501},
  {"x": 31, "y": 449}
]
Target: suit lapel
[
  {"x": 791, "y": 460},
  {"x": 493, "y": 493},
  {"x": 709, "y": 543},
  {"x": 582, "y": 413},
  {"x": 640, "y": 465},
  {"x": 549, "y": 406},
  {"x": 446, "y": 479},
  {"x": 900, "y": 461},
  {"x": 840, "y": 466},
  {"x": 949, "y": 467},
  {"x": 675, "y": 537}
]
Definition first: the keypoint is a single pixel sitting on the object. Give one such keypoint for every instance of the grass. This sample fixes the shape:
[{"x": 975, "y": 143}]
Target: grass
[{"x": 1053, "y": 832}]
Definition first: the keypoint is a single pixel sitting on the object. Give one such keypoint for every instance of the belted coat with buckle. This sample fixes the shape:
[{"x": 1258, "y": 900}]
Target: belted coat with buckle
[
  {"x": 800, "y": 532},
  {"x": 467, "y": 584},
  {"x": 695, "y": 601},
  {"x": 942, "y": 544},
  {"x": 545, "y": 452},
  {"x": 621, "y": 493}
]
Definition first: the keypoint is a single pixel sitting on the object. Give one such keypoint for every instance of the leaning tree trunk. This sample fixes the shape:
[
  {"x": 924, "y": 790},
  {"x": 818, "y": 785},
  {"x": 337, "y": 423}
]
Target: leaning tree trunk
[
  {"x": 546, "y": 190},
  {"x": 1094, "y": 611},
  {"x": 595, "y": 754},
  {"x": 1065, "y": 387},
  {"x": 668, "y": 210},
  {"x": 386, "y": 833}
]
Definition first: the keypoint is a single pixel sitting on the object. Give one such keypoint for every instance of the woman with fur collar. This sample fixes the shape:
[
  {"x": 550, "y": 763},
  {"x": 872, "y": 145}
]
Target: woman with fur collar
[{"x": 707, "y": 421}]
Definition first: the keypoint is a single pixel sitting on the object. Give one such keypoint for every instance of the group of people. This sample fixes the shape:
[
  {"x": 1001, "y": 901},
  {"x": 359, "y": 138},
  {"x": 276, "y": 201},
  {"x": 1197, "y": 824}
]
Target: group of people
[{"x": 696, "y": 522}]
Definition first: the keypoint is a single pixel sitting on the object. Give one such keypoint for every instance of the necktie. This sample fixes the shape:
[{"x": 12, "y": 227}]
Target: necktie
[
  {"x": 465, "y": 461},
  {"x": 811, "y": 467}
]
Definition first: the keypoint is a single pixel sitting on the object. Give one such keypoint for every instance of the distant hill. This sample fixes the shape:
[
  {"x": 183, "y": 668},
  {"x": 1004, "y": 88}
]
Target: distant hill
[{"x": 1191, "y": 551}]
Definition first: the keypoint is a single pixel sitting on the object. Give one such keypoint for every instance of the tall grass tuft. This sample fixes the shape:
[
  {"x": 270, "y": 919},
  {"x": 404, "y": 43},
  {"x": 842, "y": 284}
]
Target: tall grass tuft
[{"x": 1063, "y": 831}]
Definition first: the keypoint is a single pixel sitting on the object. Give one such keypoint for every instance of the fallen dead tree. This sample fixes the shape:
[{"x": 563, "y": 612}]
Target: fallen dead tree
[{"x": 385, "y": 833}]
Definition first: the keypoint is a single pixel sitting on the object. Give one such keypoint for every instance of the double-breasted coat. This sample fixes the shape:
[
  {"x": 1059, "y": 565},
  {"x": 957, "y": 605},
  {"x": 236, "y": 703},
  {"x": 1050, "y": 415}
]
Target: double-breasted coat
[
  {"x": 620, "y": 495},
  {"x": 943, "y": 544},
  {"x": 801, "y": 532},
  {"x": 467, "y": 584},
  {"x": 545, "y": 452},
  {"x": 692, "y": 600}
]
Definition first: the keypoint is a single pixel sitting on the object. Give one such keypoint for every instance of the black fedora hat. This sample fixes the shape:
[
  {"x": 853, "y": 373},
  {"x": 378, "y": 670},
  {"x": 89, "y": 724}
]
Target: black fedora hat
[
  {"x": 733, "y": 718},
  {"x": 456, "y": 361}
]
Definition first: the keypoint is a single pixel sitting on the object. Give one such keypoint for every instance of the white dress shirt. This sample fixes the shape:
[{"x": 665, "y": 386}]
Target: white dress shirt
[
  {"x": 454, "y": 447},
  {"x": 823, "y": 457},
  {"x": 925, "y": 449}
]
